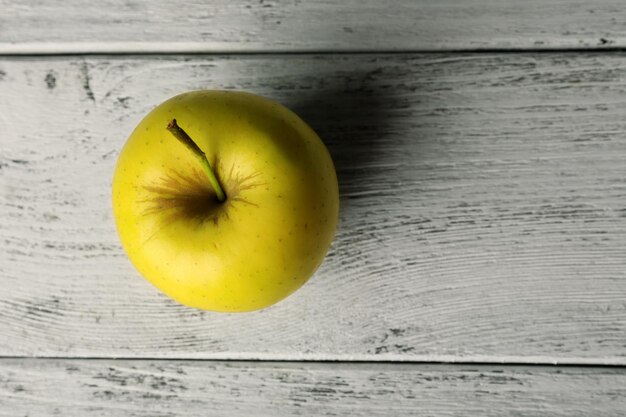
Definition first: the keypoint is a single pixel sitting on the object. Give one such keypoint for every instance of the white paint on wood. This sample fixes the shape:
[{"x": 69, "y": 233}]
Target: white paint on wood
[
  {"x": 483, "y": 209},
  {"x": 173, "y": 388},
  {"x": 80, "y": 26}
]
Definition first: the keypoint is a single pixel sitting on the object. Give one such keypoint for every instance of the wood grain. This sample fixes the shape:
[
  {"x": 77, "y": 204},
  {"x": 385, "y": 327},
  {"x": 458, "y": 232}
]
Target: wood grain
[
  {"x": 112, "y": 26},
  {"x": 483, "y": 209},
  {"x": 174, "y": 388}
]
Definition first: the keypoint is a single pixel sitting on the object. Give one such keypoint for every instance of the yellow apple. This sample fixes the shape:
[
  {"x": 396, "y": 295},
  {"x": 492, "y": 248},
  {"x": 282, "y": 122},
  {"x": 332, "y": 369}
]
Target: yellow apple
[{"x": 276, "y": 221}]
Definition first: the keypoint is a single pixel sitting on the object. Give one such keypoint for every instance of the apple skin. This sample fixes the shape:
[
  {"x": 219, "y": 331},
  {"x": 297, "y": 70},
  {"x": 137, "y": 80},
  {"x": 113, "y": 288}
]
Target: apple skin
[{"x": 270, "y": 234}]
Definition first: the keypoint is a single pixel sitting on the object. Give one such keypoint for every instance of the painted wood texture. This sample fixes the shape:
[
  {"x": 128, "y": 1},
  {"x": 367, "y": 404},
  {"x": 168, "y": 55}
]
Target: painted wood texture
[
  {"x": 483, "y": 209},
  {"x": 80, "y": 26},
  {"x": 174, "y": 388}
]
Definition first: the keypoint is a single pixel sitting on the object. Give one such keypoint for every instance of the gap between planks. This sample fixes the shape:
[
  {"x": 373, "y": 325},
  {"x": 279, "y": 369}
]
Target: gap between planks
[
  {"x": 176, "y": 48},
  {"x": 354, "y": 364},
  {"x": 365, "y": 360}
]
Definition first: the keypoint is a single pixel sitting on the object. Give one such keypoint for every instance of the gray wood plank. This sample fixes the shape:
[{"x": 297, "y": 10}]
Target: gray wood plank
[
  {"x": 173, "y": 388},
  {"x": 80, "y": 26},
  {"x": 483, "y": 209}
]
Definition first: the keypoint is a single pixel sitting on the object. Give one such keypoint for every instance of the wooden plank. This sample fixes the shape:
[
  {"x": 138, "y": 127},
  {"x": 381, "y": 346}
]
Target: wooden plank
[
  {"x": 174, "y": 388},
  {"x": 483, "y": 209},
  {"x": 79, "y": 26}
]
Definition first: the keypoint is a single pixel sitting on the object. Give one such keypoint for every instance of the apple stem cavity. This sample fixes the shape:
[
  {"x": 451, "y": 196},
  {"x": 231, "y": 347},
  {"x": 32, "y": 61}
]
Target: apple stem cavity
[{"x": 184, "y": 138}]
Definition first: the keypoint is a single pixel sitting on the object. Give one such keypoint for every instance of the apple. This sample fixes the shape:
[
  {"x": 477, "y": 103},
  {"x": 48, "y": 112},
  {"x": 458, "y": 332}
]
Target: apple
[{"x": 224, "y": 200}]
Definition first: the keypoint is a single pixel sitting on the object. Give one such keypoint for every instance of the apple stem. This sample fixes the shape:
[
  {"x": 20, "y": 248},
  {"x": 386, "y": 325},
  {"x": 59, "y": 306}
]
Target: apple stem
[{"x": 184, "y": 138}]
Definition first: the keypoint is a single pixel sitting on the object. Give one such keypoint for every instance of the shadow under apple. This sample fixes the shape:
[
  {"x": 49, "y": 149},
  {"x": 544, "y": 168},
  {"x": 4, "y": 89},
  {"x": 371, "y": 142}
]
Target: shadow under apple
[{"x": 354, "y": 112}]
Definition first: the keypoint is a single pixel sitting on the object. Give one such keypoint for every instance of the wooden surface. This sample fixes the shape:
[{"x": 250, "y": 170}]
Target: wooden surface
[
  {"x": 483, "y": 216},
  {"x": 80, "y": 26},
  {"x": 190, "y": 388}
]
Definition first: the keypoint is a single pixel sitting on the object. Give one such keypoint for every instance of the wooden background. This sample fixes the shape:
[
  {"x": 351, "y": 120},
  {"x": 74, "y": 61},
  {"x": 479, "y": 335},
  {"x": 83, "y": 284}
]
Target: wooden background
[{"x": 480, "y": 262}]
